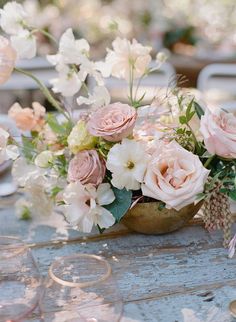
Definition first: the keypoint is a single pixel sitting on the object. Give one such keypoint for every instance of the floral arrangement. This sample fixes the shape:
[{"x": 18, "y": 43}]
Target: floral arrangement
[{"x": 95, "y": 166}]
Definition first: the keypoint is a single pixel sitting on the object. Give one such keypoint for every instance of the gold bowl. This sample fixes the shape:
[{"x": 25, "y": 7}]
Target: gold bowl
[{"x": 147, "y": 218}]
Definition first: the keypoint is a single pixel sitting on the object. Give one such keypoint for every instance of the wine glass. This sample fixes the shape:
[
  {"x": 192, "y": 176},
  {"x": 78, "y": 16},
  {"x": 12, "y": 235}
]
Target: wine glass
[
  {"x": 20, "y": 281},
  {"x": 81, "y": 288}
]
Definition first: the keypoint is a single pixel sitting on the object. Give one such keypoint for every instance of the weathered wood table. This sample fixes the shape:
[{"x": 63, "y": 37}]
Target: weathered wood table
[{"x": 185, "y": 276}]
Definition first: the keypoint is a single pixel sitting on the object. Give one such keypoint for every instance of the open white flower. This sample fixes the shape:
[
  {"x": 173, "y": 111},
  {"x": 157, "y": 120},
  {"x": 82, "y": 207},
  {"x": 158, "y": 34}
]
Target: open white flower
[
  {"x": 99, "y": 98},
  {"x": 127, "y": 162},
  {"x": 24, "y": 44},
  {"x": 83, "y": 205},
  {"x": 67, "y": 83},
  {"x": 13, "y": 18},
  {"x": 7, "y": 151},
  {"x": 44, "y": 159},
  {"x": 88, "y": 67},
  {"x": 125, "y": 54},
  {"x": 70, "y": 51}
]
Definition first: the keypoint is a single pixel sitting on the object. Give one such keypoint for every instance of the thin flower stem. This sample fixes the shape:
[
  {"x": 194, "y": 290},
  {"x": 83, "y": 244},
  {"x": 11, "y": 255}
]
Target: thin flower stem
[
  {"x": 131, "y": 83},
  {"x": 208, "y": 161},
  {"x": 194, "y": 136},
  {"x": 45, "y": 33},
  {"x": 45, "y": 91}
]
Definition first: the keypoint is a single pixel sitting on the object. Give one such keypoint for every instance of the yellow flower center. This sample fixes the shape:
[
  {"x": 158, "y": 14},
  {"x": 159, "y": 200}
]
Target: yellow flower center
[{"x": 130, "y": 165}]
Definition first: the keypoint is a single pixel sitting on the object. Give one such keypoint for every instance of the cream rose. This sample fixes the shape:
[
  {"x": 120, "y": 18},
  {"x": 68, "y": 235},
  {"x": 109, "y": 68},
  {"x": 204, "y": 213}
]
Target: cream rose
[
  {"x": 219, "y": 132},
  {"x": 174, "y": 176},
  {"x": 113, "y": 122},
  {"x": 87, "y": 167},
  {"x": 7, "y": 59}
]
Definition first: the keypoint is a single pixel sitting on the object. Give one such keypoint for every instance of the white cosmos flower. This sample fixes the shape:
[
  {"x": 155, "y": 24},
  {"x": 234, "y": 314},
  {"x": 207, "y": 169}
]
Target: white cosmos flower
[
  {"x": 125, "y": 53},
  {"x": 7, "y": 151},
  {"x": 44, "y": 159},
  {"x": 99, "y": 98},
  {"x": 83, "y": 205},
  {"x": 67, "y": 83},
  {"x": 70, "y": 51},
  {"x": 12, "y": 18},
  {"x": 24, "y": 44},
  {"x": 128, "y": 162}
]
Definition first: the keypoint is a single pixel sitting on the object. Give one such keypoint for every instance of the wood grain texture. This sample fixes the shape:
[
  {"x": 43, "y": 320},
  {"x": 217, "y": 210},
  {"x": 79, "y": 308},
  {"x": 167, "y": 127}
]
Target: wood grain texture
[{"x": 180, "y": 277}]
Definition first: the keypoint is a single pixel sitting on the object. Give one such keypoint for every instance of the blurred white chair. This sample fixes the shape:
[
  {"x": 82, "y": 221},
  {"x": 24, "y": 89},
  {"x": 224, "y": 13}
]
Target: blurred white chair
[
  {"x": 221, "y": 76},
  {"x": 38, "y": 66},
  {"x": 162, "y": 78}
]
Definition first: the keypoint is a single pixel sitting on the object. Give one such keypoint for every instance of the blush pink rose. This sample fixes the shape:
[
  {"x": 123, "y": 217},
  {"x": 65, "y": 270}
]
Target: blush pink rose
[
  {"x": 28, "y": 119},
  {"x": 7, "y": 59},
  {"x": 87, "y": 167},
  {"x": 174, "y": 176},
  {"x": 113, "y": 122},
  {"x": 219, "y": 132}
]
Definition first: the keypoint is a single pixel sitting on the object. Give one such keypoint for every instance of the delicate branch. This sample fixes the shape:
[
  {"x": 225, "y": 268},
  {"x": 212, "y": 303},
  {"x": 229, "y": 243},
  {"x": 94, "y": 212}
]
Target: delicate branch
[
  {"x": 45, "y": 33},
  {"x": 45, "y": 91}
]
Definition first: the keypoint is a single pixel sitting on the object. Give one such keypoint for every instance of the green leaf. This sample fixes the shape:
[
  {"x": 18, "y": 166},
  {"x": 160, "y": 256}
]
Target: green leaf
[
  {"x": 28, "y": 148},
  {"x": 232, "y": 195},
  {"x": 199, "y": 110},
  {"x": 121, "y": 204},
  {"x": 54, "y": 125},
  {"x": 182, "y": 119}
]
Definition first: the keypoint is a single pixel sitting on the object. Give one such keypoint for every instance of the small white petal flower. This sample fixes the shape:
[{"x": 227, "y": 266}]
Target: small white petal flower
[
  {"x": 12, "y": 18},
  {"x": 71, "y": 51},
  {"x": 83, "y": 208},
  {"x": 44, "y": 159},
  {"x": 127, "y": 162},
  {"x": 7, "y": 151},
  {"x": 24, "y": 44},
  {"x": 99, "y": 98},
  {"x": 88, "y": 67},
  {"x": 125, "y": 54},
  {"x": 67, "y": 83}
]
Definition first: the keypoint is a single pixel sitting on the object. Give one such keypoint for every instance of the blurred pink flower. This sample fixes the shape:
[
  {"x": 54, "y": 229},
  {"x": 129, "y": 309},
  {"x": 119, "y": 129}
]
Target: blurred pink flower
[
  {"x": 28, "y": 119},
  {"x": 219, "y": 132},
  {"x": 7, "y": 59},
  {"x": 87, "y": 167},
  {"x": 113, "y": 122}
]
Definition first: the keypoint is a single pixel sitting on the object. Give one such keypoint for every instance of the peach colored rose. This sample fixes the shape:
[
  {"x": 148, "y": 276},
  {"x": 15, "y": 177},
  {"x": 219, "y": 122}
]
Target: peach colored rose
[
  {"x": 113, "y": 122},
  {"x": 7, "y": 59},
  {"x": 87, "y": 167},
  {"x": 28, "y": 119},
  {"x": 219, "y": 132},
  {"x": 174, "y": 176}
]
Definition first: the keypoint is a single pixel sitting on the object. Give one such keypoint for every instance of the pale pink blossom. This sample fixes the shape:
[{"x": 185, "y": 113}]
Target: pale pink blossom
[
  {"x": 28, "y": 119},
  {"x": 87, "y": 167},
  {"x": 219, "y": 132},
  {"x": 174, "y": 176},
  {"x": 113, "y": 122},
  {"x": 84, "y": 205},
  {"x": 7, "y": 59}
]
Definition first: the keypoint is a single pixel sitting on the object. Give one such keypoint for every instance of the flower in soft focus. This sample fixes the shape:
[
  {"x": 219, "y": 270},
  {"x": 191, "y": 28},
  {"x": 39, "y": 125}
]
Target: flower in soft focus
[
  {"x": 99, "y": 98},
  {"x": 48, "y": 136},
  {"x": 28, "y": 119},
  {"x": 113, "y": 122},
  {"x": 44, "y": 159},
  {"x": 161, "y": 57},
  {"x": 7, "y": 151},
  {"x": 124, "y": 55},
  {"x": 24, "y": 44},
  {"x": 13, "y": 18},
  {"x": 232, "y": 245},
  {"x": 70, "y": 51},
  {"x": 127, "y": 162},
  {"x": 22, "y": 209},
  {"x": 83, "y": 205},
  {"x": 7, "y": 59},
  {"x": 80, "y": 139},
  {"x": 67, "y": 83},
  {"x": 174, "y": 176},
  {"x": 87, "y": 167},
  {"x": 219, "y": 132}
]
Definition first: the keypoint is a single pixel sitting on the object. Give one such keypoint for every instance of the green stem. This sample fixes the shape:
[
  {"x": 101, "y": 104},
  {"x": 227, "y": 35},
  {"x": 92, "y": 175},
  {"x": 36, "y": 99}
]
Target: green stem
[
  {"x": 208, "y": 161},
  {"x": 45, "y": 91},
  {"x": 45, "y": 33},
  {"x": 194, "y": 136},
  {"x": 131, "y": 83}
]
